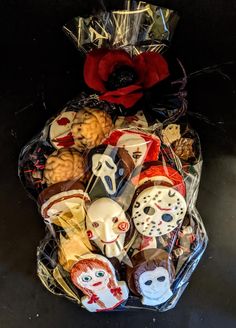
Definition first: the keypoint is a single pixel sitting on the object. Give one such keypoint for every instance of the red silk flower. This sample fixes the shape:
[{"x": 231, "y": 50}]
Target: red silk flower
[{"x": 121, "y": 79}]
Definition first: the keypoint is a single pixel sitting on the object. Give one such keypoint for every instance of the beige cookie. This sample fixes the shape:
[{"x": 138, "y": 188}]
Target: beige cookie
[
  {"x": 171, "y": 133},
  {"x": 64, "y": 164},
  {"x": 90, "y": 127},
  {"x": 183, "y": 148}
]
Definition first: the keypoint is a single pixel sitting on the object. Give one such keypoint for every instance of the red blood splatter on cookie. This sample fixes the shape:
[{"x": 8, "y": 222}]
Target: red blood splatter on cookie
[
  {"x": 66, "y": 141},
  {"x": 63, "y": 121}
]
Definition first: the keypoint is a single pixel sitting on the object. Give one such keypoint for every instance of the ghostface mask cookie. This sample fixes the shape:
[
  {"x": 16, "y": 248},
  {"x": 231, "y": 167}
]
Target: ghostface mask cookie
[
  {"x": 110, "y": 168},
  {"x": 151, "y": 276},
  {"x": 159, "y": 205},
  {"x": 142, "y": 147},
  {"x": 95, "y": 276},
  {"x": 64, "y": 164},
  {"x": 60, "y": 130},
  {"x": 108, "y": 226},
  {"x": 90, "y": 127}
]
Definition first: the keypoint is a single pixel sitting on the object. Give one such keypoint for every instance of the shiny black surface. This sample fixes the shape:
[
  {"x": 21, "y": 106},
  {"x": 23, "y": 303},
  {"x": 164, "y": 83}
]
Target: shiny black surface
[{"x": 40, "y": 71}]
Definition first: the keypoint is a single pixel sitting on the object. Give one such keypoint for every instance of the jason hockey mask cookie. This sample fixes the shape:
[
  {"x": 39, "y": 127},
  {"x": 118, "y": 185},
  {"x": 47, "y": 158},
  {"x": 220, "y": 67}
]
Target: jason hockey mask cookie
[{"x": 159, "y": 206}]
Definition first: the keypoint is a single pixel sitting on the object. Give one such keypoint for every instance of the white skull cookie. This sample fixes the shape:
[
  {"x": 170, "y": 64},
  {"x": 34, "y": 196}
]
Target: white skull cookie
[{"x": 157, "y": 210}]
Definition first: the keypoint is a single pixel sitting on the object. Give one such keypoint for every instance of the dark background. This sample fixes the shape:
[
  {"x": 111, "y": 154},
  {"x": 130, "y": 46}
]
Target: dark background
[{"x": 39, "y": 71}]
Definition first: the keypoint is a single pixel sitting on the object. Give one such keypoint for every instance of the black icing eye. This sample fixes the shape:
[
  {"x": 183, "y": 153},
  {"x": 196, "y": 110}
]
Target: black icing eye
[
  {"x": 167, "y": 217},
  {"x": 148, "y": 282},
  {"x": 99, "y": 166},
  {"x": 149, "y": 210},
  {"x": 136, "y": 205},
  {"x": 161, "y": 279}
]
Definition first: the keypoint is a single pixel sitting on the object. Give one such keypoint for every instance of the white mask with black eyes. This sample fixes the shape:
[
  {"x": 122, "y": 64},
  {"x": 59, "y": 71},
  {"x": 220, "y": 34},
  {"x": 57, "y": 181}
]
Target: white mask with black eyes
[
  {"x": 135, "y": 145},
  {"x": 104, "y": 167},
  {"x": 155, "y": 286},
  {"x": 158, "y": 210},
  {"x": 107, "y": 225}
]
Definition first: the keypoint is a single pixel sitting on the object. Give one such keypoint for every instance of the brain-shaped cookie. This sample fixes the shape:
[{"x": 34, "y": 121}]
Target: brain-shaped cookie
[
  {"x": 90, "y": 127},
  {"x": 63, "y": 165}
]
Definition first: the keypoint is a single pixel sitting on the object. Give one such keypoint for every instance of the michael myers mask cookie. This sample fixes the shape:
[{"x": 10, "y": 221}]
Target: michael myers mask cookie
[
  {"x": 159, "y": 206},
  {"x": 142, "y": 147},
  {"x": 110, "y": 168},
  {"x": 107, "y": 226},
  {"x": 95, "y": 276},
  {"x": 151, "y": 276}
]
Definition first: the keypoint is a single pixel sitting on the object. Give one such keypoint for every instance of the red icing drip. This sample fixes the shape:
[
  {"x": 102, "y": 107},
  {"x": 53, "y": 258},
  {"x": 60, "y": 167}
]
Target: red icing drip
[
  {"x": 66, "y": 141},
  {"x": 63, "y": 121}
]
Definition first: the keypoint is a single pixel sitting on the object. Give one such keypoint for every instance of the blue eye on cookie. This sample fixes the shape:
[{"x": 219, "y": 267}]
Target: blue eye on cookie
[{"x": 167, "y": 217}]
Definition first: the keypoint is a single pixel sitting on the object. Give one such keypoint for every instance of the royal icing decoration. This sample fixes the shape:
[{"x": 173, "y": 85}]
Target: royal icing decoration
[
  {"x": 141, "y": 147},
  {"x": 158, "y": 210},
  {"x": 95, "y": 276},
  {"x": 110, "y": 165},
  {"x": 155, "y": 286},
  {"x": 107, "y": 225},
  {"x": 60, "y": 130}
]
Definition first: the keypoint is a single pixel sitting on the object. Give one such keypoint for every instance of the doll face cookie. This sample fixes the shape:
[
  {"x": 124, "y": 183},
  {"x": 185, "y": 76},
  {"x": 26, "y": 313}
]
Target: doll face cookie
[
  {"x": 95, "y": 276},
  {"x": 60, "y": 131},
  {"x": 158, "y": 210},
  {"x": 107, "y": 225},
  {"x": 155, "y": 286}
]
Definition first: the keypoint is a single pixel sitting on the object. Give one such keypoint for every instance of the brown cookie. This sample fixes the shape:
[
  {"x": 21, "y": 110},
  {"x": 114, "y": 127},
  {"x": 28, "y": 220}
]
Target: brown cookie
[
  {"x": 151, "y": 275},
  {"x": 64, "y": 164},
  {"x": 90, "y": 127}
]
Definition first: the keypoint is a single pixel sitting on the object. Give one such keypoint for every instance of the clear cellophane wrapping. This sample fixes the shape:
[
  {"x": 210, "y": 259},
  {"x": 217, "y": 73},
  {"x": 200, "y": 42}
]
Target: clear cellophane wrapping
[{"x": 116, "y": 188}]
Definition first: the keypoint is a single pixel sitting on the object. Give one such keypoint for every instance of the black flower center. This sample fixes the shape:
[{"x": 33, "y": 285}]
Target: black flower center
[{"x": 121, "y": 77}]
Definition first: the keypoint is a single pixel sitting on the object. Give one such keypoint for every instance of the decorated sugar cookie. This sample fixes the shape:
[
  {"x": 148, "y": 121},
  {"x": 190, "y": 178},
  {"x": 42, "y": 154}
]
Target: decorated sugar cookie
[
  {"x": 157, "y": 173},
  {"x": 171, "y": 133},
  {"x": 64, "y": 164},
  {"x": 90, "y": 127},
  {"x": 63, "y": 197},
  {"x": 95, "y": 276},
  {"x": 110, "y": 168},
  {"x": 107, "y": 225},
  {"x": 151, "y": 275},
  {"x": 60, "y": 130},
  {"x": 157, "y": 210},
  {"x": 141, "y": 147}
]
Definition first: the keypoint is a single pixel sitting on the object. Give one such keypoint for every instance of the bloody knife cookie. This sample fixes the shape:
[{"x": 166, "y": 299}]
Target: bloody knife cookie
[
  {"x": 151, "y": 275},
  {"x": 95, "y": 276},
  {"x": 110, "y": 168},
  {"x": 108, "y": 227},
  {"x": 142, "y": 147},
  {"x": 60, "y": 130}
]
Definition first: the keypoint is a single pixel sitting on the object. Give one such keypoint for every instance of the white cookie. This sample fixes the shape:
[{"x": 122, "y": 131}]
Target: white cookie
[{"x": 157, "y": 210}]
